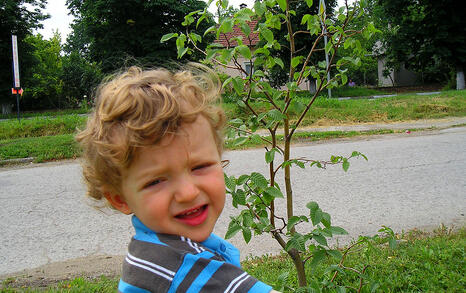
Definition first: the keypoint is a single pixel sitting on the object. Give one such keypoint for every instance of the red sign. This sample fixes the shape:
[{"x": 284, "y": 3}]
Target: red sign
[{"x": 17, "y": 91}]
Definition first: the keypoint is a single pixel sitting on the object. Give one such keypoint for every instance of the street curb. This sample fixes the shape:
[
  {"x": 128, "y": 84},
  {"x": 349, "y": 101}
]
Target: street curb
[{"x": 16, "y": 161}]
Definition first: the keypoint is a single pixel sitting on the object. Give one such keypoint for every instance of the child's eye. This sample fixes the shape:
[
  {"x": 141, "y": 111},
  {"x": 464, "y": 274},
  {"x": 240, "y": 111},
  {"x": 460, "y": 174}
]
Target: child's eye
[
  {"x": 152, "y": 183},
  {"x": 202, "y": 166}
]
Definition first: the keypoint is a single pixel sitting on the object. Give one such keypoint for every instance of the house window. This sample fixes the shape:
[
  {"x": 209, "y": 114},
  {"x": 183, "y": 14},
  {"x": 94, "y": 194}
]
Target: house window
[{"x": 248, "y": 67}]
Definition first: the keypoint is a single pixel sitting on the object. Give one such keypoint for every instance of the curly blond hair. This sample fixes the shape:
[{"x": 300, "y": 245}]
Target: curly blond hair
[{"x": 138, "y": 108}]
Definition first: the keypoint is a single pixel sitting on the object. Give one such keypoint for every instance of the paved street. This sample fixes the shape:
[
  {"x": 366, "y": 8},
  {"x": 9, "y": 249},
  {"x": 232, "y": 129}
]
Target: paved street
[{"x": 410, "y": 180}]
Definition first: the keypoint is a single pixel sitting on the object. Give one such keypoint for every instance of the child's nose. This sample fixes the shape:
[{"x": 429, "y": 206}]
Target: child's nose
[{"x": 186, "y": 190}]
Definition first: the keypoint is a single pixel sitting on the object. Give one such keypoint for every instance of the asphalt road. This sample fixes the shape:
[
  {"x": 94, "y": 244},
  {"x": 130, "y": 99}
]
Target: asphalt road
[{"x": 415, "y": 180}]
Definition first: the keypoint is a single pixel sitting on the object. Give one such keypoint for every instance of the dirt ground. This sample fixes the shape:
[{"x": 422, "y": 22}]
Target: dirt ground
[{"x": 50, "y": 274}]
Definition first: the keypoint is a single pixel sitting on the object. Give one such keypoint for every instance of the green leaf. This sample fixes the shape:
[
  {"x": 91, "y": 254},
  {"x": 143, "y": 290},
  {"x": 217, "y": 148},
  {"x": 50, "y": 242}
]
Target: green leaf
[
  {"x": 292, "y": 222},
  {"x": 297, "y": 241},
  {"x": 345, "y": 164},
  {"x": 229, "y": 182},
  {"x": 240, "y": 141},
  {"x": 260, "y": 8},
  {"x": 210, "y": 29},
  {"x": 240, "y": 197},
  {"x": 195, "y": 37},
  {"x": 270, "y": 155},
  {"x": 244, "y": 51},
  {"x": 295, "y": 61},
  {"x": 338, "y": 230},
  {"x": 246, "y": 29},
  {"x": 309, "y": 3},
  {"x": 344, "y": 79},
  {"x": 227, "y": 81},
  {"x": 167, "y": 37},
  {"x": 317, "y": 257},
  {"x": 279, "y": 62},
  {"x": 316, "y": 216},
  {"x": 320, "y": 239},
  {"x": 259, "y": 180},
  {"x": 246, "y": 234},
  {"x": 335, "y": 253},
  {"x": 238, "y": 85},
  {"x": 326, "y": 220},
  {"x": 274, "y": 192},
  {"x": 233, "y": 228},
  {"x": 181, "y": 52},
  {"x": 282, "y": 4},
  {"x": 276, "y": 115},
  {"x": 242, "y": 179},
  {"x": 226, "y": 26},
  {"x": 312, "y": 206},
  {"x": 267, "y": 34}
]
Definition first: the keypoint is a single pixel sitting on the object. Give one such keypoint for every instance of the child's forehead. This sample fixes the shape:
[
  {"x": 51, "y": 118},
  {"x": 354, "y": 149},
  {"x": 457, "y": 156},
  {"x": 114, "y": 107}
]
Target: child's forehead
[{"x": 197, "y": 133}]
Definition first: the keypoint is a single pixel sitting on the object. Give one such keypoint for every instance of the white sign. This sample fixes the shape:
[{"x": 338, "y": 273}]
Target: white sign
[{"x": 14, "y": 43}]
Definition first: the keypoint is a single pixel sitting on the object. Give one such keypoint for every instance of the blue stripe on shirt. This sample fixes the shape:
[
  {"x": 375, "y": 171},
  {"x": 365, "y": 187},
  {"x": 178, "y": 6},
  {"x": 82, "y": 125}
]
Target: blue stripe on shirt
[
  {"x": 204, "y": 276},
  {"x": 188, "y": 262}
]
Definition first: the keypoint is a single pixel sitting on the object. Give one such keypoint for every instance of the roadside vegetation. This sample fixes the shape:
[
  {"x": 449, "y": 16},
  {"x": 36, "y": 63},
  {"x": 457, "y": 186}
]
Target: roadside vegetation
[
  {"x": 49, "y": 136},
  {"x": 421, "y": 262}
]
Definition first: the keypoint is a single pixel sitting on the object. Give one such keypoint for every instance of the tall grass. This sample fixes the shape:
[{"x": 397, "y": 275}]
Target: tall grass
[{"x": 41, "y": 126}]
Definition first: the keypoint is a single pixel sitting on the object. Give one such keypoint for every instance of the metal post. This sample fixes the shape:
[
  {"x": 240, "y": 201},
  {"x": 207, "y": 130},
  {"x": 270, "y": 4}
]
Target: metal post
[{"x": 17, "y": 104}]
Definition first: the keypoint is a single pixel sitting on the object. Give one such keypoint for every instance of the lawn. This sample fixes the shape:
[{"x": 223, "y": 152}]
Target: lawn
[
  {"x": 422, "y": 262},
  {"x": 49, "y": 138}
]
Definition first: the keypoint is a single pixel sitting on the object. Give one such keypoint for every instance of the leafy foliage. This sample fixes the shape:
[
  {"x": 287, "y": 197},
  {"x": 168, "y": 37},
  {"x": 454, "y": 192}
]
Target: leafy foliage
[
  {"x": 44, "y": 88},
  {"x": 427, "y": 35},
  {"x": 113, "y": 32}
]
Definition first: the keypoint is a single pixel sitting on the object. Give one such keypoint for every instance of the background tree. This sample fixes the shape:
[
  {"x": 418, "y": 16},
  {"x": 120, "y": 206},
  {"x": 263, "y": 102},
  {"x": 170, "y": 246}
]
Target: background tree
[
  {"x": 111, "y": 32},
  {"x": 277, "y": 76},
  {"x": 429, "y": 36},
  {"x": 365, "y": 73},
  {"x": 80, "y": 77},
  {"x": 44, "y": 85},
  {"x": 16, "y": 18}
]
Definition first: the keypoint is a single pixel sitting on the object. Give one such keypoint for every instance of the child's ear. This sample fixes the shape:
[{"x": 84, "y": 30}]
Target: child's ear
[{"x": 118, "y": 202}]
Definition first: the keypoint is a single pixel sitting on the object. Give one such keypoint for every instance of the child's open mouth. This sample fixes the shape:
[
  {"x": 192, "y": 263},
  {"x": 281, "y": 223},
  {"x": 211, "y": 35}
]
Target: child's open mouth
[{"x": 194, "y": 216}]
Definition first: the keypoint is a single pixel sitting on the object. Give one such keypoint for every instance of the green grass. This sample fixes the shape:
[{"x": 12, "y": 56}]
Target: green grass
[
  {"x": 50, "y": 138},
  {"x": 400, "y": 108},
  {"x": 419, "y": 264},
  {"x": 422, "y": 262},
  {"x": 47, "y": 148},
  {"x": 49, "y": 113},
  {"x": 41, "y": 126},
  {"x": 307, "y": 136},
  {"x": 356, "y": 91}
]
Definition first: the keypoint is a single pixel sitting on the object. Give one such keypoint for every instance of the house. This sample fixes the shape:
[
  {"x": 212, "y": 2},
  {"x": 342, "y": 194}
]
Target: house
[
  {"x": 227, "y": 41},
  {"x": 400, "y": 77}
]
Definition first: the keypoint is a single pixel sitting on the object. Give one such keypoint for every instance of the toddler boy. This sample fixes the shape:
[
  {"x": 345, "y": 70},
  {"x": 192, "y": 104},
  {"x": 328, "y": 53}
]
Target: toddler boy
[{"x": 152, "y": 148}]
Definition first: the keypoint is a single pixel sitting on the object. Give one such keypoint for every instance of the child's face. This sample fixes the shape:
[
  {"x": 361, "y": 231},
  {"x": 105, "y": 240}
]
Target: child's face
[{"x": 176, "y": 187}]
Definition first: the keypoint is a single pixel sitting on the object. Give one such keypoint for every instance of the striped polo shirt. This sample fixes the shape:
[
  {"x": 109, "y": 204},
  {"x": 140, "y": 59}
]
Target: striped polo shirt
[{"x": 171, "y": 263}]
